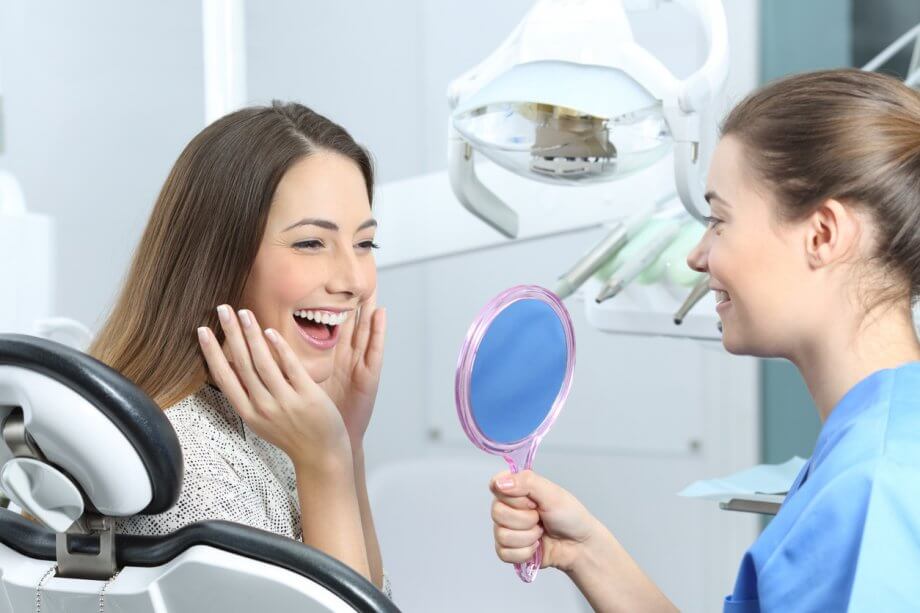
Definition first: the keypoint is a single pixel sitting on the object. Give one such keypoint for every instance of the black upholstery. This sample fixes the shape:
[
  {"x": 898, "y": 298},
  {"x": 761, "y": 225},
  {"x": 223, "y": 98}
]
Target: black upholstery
[
  {"x": 37, "y": 542},
  {"x": 127, "y": 407}
]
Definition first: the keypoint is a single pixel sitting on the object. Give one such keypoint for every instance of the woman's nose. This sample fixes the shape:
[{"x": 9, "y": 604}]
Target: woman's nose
[
  {"x": 698, "y": 257},
  {"x": 347, "y": 276}
]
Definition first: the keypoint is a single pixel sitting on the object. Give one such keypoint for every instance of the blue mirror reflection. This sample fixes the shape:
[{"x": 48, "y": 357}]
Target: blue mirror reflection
[{"x": 519, "y": 371}]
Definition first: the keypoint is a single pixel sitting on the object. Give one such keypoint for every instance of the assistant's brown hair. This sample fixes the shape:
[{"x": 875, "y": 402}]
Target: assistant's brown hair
[
  {"x": 202, "y": 238},
  {"x": 844, "y": 134}
]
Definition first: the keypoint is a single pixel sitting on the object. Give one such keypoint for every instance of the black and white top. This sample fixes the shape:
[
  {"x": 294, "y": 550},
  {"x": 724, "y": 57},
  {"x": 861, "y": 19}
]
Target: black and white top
[{"x": 231, "y": 473}]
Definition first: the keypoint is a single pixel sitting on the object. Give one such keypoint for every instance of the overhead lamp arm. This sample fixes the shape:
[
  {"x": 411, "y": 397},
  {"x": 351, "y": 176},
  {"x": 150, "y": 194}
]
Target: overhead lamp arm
[
  {"x": 695, "y": 93},
  {"x": 471, "y": 192},
  {"x": 701, "y": 86}
]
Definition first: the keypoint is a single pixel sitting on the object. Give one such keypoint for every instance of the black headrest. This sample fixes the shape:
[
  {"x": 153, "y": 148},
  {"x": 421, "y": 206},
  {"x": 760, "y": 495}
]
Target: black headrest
[{"x": 141, "y": 421}]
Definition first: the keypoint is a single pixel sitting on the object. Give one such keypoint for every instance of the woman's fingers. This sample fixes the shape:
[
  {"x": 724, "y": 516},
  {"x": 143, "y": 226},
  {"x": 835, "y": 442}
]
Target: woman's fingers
[
  {"x": 242, "y": 360},
  {"x": 264, "y": 362},
  {"x": 222, "y": 372},
  {"x": 373, "y": 355},
  {"x": 363, "y": 325},
  {"x": 290, "y": 364}
]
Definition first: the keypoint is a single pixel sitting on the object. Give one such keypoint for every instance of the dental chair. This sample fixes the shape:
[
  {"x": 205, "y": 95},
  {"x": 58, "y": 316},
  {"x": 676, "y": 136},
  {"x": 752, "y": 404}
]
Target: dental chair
[{"x": 81, "y": 445}]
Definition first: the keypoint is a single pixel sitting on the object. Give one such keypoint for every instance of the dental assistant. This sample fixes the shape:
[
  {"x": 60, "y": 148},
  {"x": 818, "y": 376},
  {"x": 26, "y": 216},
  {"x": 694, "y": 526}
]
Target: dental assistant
[{"x": 813, "y": 247}]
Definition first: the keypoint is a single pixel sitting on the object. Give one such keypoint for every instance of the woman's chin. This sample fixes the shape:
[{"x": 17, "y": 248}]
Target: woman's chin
[{"x": 319, "y": 370}]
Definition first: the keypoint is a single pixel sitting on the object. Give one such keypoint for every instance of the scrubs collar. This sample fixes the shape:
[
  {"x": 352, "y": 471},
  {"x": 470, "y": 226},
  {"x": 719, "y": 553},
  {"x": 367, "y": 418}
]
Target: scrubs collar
[{"x": 852, "y": 405}]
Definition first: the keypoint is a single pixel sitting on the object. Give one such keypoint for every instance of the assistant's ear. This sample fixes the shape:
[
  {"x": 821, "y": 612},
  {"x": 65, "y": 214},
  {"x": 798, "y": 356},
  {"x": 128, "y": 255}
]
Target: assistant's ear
[{"x": 832, "y": 232}]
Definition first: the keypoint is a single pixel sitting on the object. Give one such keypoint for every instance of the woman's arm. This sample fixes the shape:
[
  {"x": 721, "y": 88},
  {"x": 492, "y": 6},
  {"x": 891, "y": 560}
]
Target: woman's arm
[
  {"x": 367, "y": 521},
  {"x": 279, "y": 401},
  {"x": 529, "y": 508},
  {"x": 353, "y": 389},
  {"x": 331, "y": 514}
]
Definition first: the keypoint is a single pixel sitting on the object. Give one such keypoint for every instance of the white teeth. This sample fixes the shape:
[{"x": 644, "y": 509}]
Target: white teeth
[
  {"x": 721, "y": 296},
  {"x": 323, "y": 317}
]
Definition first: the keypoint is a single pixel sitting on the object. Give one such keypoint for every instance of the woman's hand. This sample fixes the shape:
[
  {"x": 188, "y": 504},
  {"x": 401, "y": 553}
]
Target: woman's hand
[
  {"x": 528, "y": 508},
  {"x": 356, "y": 374},
  {"x": 276, "y": 398}
]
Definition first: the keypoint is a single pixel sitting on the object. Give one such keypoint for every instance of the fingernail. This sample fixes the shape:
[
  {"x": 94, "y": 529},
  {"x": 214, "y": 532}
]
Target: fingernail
[
  {"x": 272, "y": 335},
  {"x": 245, "y": 317},
  {"x": 505, "y": 483},
  {"x": 203, "y": 334},
  {"x": 223, "y": 313}
]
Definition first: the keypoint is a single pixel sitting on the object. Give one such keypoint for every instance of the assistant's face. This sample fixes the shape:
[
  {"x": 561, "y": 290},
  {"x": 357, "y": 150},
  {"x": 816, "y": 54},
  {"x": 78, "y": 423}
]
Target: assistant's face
[{"x": 763, "y": 283}]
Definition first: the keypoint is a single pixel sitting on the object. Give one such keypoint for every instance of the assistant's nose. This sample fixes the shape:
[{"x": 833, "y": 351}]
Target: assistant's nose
[{"x": 698, "y": 258}]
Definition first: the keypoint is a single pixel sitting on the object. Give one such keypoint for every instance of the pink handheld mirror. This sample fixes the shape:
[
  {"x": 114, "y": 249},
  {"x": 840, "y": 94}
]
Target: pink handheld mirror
[{"x": 513, "y": 376}]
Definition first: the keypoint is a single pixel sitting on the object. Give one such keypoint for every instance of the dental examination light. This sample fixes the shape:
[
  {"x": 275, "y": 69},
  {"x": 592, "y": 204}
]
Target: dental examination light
[{"x": 571, "y": 98}]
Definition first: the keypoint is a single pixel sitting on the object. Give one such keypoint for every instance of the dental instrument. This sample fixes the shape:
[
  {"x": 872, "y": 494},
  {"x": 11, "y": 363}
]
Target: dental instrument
[
  {"x": 698, "y": 292},
  {"x": 634, "y": 267},
  {"x": 589, "y": 263}
]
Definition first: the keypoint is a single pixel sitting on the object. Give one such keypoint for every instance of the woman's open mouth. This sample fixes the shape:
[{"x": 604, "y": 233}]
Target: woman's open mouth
[{"x": 320, "y": 328}]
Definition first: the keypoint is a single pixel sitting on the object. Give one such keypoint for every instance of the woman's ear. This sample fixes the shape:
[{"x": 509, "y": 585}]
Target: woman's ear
[{"x": 832, "y": 232}]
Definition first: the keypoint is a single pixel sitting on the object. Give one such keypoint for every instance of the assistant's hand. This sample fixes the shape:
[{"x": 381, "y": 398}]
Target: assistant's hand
[
  {"x": 528, "y": 508},
  {"x": 276, "y": 398},
  {"x": 356, "y": 373}
]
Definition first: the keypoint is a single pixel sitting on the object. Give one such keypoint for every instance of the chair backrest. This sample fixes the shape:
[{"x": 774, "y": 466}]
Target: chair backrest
[
  {"x": 89, "y": 421},
  {"x": 80, "y": 444}
]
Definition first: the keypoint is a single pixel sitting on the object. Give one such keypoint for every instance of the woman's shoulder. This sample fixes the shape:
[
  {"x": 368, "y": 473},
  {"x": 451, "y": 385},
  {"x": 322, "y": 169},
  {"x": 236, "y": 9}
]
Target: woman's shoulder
[{"x": 204, "y": 413}]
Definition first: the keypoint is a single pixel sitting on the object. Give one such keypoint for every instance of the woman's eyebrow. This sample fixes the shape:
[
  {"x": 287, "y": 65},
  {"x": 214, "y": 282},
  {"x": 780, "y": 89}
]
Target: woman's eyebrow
[{"x": 328, "y": 225}]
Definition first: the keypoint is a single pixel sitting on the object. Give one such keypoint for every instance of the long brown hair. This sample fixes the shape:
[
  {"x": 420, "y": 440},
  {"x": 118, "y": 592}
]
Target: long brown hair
[
  {"x": 849, "y": 135},
  {"x": 202, "y": 238}
]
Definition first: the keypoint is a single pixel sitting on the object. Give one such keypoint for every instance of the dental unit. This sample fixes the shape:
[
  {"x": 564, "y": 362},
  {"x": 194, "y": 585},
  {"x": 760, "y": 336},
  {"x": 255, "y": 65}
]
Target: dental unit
[{"x": 570, "y": 98}]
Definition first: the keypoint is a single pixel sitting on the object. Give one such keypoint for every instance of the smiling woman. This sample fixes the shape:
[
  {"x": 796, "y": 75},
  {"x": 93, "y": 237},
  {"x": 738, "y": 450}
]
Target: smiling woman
[{"x": 269, "y": 210}]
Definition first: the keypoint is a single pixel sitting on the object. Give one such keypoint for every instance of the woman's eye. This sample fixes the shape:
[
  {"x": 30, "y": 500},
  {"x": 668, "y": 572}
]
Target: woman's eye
[
  {"x": 368, "y": 245},
  {"x": 712, "y": 222},
  {"x": 310, "y": 244}
]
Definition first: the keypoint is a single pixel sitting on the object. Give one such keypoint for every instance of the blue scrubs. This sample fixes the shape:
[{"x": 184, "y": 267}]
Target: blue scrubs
[{"x": 847, "y": 538}]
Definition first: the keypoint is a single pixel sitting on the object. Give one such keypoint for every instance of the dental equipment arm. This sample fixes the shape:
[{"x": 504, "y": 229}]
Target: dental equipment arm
[
  {"x": 470, "y": 191},
  {"x": 695, "y": 92}
]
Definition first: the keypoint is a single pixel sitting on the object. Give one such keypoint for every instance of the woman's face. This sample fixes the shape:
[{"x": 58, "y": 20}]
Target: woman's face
[
  {"x": 315, "y": 264},
  {"x": 768, "y": 297}
]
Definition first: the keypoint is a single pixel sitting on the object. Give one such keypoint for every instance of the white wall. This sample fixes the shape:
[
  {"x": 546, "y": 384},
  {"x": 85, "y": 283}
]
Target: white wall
[{"x": 102, "y": 95}]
